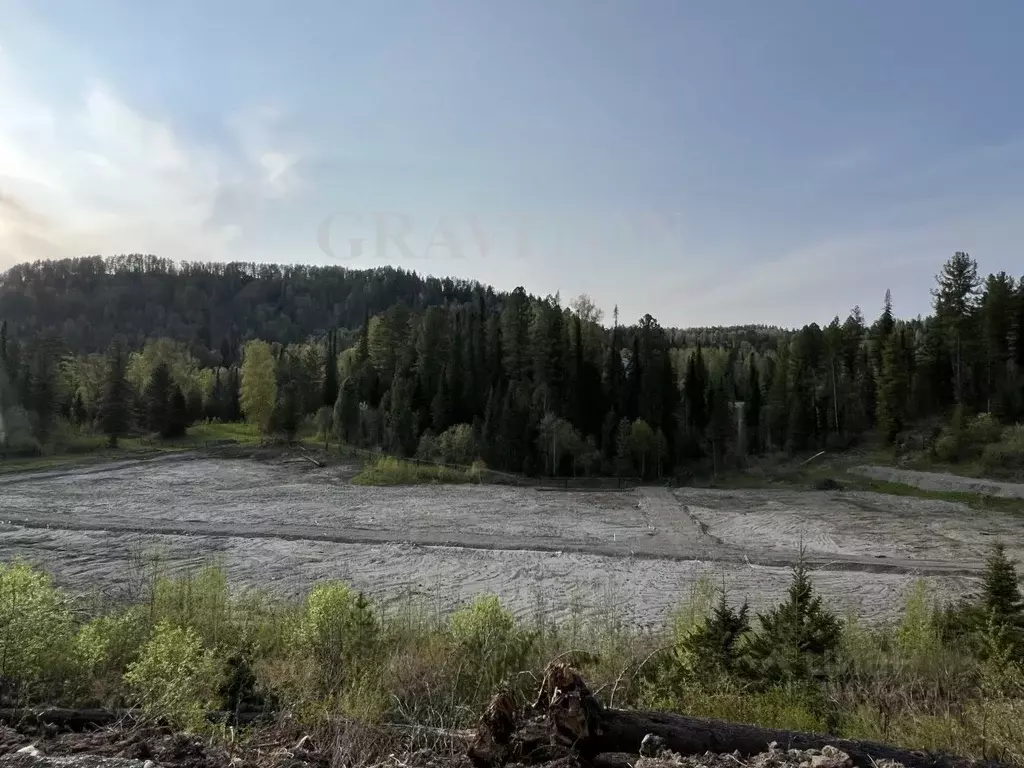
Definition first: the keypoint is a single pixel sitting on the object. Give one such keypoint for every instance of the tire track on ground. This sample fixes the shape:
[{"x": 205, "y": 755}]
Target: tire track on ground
[{"x": 725, "y": 555}]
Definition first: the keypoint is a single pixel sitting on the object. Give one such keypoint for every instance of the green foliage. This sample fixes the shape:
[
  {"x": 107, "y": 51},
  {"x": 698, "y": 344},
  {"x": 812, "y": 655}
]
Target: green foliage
[
  {"x": 488, "y": 642},
  {"x": 107, "y": 645},
  {"x": 340, "y": 631},
  {"x": 392, "y": 471},
  {"x": 714, "y": 648},
  {"x": 797, "y": 638},
  {"x": 983, "y": 429},
  {"x": 1007, "y": 455},
  {"x": 196, "y": 601},
  {"x": 36, "y": 627},
  {"x": 176, "y": 677},
  {"x": 918, "y": 635},
  {"x": 115, "y": 416},
  {"x": 259, "y": 384},
  {"x": 1001, "y": 594}
]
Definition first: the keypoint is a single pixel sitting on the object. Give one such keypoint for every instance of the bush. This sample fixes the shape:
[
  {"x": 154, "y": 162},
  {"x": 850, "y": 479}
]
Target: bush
[
  {"x": 489, "y": 644},
  {"x": 983, "y": 429},
  {"x": 105, "y": 647},
  {"x": 199, "y": 601},
  {"x": 1008, "y": 454},
  {"x": 36, "y": 628},
  {"x": 338, "y": 629},
  {"x": 391, "y": 471},
  {"x": 175, "y": 677},
  {"x": 947, "y": 448}
]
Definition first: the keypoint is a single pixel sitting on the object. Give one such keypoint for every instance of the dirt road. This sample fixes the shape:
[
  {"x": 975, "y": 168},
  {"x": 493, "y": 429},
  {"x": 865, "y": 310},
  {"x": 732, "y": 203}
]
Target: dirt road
[
  {"x": 635, "y": 554},
  {"x": 943, "y": 481}
]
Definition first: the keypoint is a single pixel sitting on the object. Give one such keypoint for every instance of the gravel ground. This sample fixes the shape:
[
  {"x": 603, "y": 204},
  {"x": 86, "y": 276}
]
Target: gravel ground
[{"x": 635, "y": 554}]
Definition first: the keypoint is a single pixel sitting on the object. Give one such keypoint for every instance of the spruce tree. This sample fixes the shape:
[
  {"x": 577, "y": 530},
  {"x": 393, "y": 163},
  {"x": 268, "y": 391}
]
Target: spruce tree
[
  {"x": 177, "y": 413},
  {"x": 346, "y": 412},
  {"x": 1001, "y": 595},
  {"x": 955, "y": 303},
  {"x": 115, "y": 403},
  {"x": 753, "y": 410},
  {"x": 330, "y": 392},
  {"x": 78, "y": 412},
  {"x": 157, "y": 400},
  {"x": 893, "y": 388},
  {"x": 796, "y": 637}
]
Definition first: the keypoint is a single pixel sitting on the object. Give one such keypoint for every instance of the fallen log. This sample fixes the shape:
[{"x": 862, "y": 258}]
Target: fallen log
[
  {"x": 567, "y": 719},
  {"x": 87, "y": 719},
  {"x": 72, "y": 719}
]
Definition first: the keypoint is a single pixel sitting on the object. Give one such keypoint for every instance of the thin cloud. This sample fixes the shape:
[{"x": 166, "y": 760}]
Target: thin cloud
[{"x": 101, "y": 177}]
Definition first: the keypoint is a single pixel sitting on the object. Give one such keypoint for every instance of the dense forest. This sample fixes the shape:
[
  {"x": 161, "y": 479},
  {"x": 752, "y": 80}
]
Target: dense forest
[{"x": 456, "y": 371}]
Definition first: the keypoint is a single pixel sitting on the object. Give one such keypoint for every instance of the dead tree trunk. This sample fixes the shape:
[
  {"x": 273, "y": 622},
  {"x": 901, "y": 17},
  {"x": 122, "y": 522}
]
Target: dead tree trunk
[{"x": 567, "y": 719}]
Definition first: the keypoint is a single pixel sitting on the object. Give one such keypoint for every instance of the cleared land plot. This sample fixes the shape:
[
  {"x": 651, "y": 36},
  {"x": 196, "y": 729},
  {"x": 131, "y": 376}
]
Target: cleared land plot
[{"x": 636, "y": 554}]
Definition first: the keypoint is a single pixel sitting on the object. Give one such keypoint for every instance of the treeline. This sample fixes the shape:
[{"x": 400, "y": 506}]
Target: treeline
[{"x": 457, "y": 372}]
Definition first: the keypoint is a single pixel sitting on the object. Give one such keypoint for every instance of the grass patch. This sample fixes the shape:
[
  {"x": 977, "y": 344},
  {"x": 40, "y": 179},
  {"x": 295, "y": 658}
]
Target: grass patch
[
  {"x": 388, "y": 470},
  {"x": 77, "y": 449}
]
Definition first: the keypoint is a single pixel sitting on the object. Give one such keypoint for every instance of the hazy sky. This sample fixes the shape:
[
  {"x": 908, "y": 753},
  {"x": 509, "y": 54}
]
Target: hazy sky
[{"x": 711, "y": 162}]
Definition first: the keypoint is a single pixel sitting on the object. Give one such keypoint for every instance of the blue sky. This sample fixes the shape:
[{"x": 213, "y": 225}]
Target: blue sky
[{"x": 711, "y": 162}]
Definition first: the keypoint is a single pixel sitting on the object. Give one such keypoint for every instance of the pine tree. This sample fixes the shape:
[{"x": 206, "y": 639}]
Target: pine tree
[
  {"x": 893, "y": 388},
  {"x": 330, "y": 391},
  {"x": 796, "y": 637},
  {"x": 346, "y": 412},
  {"x": 955, "y": 303},
  {"x": 78, "y": 413},
  {"x": 177, "y": 414},
  {"x": 753, "y": 410},
  {"x": 715, "y": 648},
  {"x": 115, "y": 404},
  {"x": 1001, "y": 595},
  {"x": 42, "y": 387},
  {"x": 157, "y": 400}
]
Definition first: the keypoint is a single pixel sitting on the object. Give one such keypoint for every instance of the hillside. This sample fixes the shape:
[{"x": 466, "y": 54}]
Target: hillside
[{"x": 453, "y": 370}]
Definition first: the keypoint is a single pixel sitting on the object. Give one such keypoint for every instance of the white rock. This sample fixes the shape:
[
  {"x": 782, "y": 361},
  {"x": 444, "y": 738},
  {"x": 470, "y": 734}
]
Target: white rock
[{"x": 31, "y": 749}]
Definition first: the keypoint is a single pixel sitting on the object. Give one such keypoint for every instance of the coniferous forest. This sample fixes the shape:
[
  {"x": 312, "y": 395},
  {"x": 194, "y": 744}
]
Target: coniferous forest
[{"x": 456, "y": 371}]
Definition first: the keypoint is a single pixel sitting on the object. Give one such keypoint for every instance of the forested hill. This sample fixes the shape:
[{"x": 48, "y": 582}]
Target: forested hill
[
  {"x": 89, "y": 301},
  {"x": 385, "y": 358}
]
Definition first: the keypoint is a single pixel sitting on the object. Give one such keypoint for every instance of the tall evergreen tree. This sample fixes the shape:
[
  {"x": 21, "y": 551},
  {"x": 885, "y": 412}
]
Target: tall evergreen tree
[
  {"x": 157, "y": 400},
  {"x": 115, "y": 405},
  {"x": 330, "y": 390},
  {"x": 955, "y": 302},
  {"x": 893, "y": 388}
]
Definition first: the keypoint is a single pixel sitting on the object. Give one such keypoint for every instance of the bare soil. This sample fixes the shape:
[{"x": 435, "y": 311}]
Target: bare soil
[{"x": 284, "y": 526}]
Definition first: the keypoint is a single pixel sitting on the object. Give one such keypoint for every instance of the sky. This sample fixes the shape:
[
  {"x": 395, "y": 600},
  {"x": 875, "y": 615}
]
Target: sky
[{"x": 711, "y": 162}]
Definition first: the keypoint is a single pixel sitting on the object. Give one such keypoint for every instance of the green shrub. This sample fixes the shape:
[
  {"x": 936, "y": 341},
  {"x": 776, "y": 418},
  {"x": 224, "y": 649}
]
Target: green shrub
[
  {"x": 392, "y": 471},
  {"x": 36, "y": 628},
  {"x": 947, "y": 448},
  {"x": 1006, "y": 456},
  {"x": 983, "y": 429},
  {"x": 918, "y": 635},
  {"x": 339, "y": 629},
  {"x": 106, "y": 646},
  {"x": 489, "y": 645},
  {"x": 198, "y": 601},
  {"x": 175, "y": 677}
]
